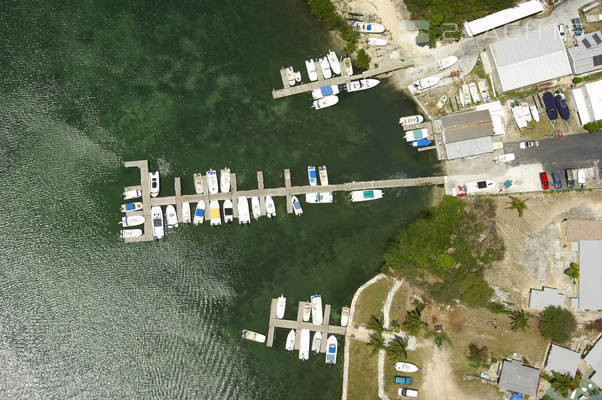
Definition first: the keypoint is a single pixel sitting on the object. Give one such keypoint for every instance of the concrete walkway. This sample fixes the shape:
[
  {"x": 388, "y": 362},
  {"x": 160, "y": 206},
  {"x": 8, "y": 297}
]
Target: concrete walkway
[{"x": 382, "y": 353}]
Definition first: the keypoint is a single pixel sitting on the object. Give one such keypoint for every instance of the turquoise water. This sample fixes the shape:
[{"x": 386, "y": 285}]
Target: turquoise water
[{"x": 186, "y": 85}]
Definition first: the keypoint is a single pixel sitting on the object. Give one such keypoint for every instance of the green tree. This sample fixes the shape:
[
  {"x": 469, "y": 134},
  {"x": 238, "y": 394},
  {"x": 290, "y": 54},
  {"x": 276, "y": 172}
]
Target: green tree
[
  {"x": 519, "y": 321},
  {"x": 377, "y": 343},
  {"x": 377, "y": 324},
  {"x": 362, "y": 61},
  {"x": 475, "y": 291},
  {"x": 477, "y": 354},
  {"x": 397, "y": 349},
  {"x": 572, "y": 271},
  {"x": 413, "y": 322},
  {"x": 445, "y": 261},
  {"x": 497, "y": 308},
  {"x": 557, "y": 324},
  {"x": 518, "y": 205},
  {"x": 593, "y": 126},
  {"x": 563, "y": 383}
]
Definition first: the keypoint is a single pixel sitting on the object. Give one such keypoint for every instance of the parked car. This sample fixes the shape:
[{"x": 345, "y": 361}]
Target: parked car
[
  {"x": 561, "y": 31},
  {"x": 403, "y": 380},
  {"x": 543, "y": 178},
  {"x": 407, "y": 392},
  {"x": 577, "y": 26},
  {"x": 528, "y": 145},
  {"x": 581, "y": 178},
  {"x": 557, "y": 180},
  {"x": 570, "y": 181}
]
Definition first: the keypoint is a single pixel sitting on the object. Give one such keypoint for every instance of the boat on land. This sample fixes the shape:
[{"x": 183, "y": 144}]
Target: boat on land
[
  {"x": 157, "y": 219},
  {"x": 224, "y": 180},
  {"x": 243, "y": 211},
  {"x": 312, "y": 176},
  {"x": 550, "y": 102},
  {"x": 421, "y": 143},
  {"x": 411, "y": 120},
  {"x": 128, "y": 207},
  {"x": 324, "y": 197},
  {"x": 442, "y": 101},
  {"x": 290, "y": 75},
  {"x": 212, "y": 185},
  {"x": 214, "y": 215},
  {"x": 534, "y": 112},
  {"x": 290, "y": 340},
  {"x": 405, "y": 367},
  {"x": 483, "y": 90},
  {"x": 131, "y": 194},
  {"x": 171, "y": 217},
  {"x": 466, "y": 93},
  {"x": 323, "y": 175},
  {"x": 525, "y": 111},
  {"x": 255, "y": 207},
  {"x": 345, "y": 316},
  {"x": 474, "y": 92},
  {"x": 324, "y": 91},
  {"x": 377, "y": 42},
  {"x": 519, "y": 118},
  {"x": 361, "y": 84},
  {"x": 447, "y": 62},
  {"x": 325, "y": 67},
  {"x": 333, "y": 60},
  {"x": 462, "y": 101},
  {"x": 154, "y": 183},
  {"x": 306, "y": 311},
  {"x": 228, "y": 211},
  {"x": 316, "y": 309},
  {"x": 369, "y": 27},
  {"x": 316, "y": 342},
  {"x": 296, "y": 205},
  {"x": 134, "y": 220},
  {"x": 198, "y": 182},
  {"x": 304, "y": 345},
  {"x": 563, "y": 107},
  {"x": 186, "y": 212},
  {"x": 253, "y": 336},
  {"x": 130, "y": 233},
  {"x": 331, "y": 350},
  {"x": 348, "y": 66},
  {"x": 311, "y": 69},
  {"x": 280, "y": 306},
  {"x": 426, "y": 83},
  {"x": 325, "y": 102},
  {"x": 416, "y": 134},
  {"x": 366, "y": 195},
  {"x": 479, "y": 186},
  {"x": 270, "y": 207},
  {"x": 199, "y": 213}
]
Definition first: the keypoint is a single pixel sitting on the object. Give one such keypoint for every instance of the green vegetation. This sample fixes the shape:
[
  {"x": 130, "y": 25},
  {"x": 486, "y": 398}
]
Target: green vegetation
[
  {"x": 396, "y": 350},
  {"x": 377, "y": 324},
  {"x": 557, "y": 324},
  {"x": 572, "y": 271},
  {"x": 519, "y": 321},
  {"x": 413, "y": 323},
  {"x": 440, "y": 338},
  {"x": 518, "y": 205},
  {"x": 362, "y": 61},
  {"x": 593, "y": 127},
  {"x": 497, "y": 308},
  {"x": 466, "y": 232},
  {"x": 326, "y": 11},
  {"x": 477, "y": 354},
  {"x": 563, "y": 383},
  {"x": 377, "y": 342}
]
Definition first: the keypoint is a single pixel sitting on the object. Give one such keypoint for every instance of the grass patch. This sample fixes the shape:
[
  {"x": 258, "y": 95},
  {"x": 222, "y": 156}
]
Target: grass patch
[
  {"x": 371, "y": 301},
  {"x": 419, "y": 357},
  {"x": 400, "y": 305},
  {"x": 363, "y": 372},
  {"x": 514, "y": 94}
]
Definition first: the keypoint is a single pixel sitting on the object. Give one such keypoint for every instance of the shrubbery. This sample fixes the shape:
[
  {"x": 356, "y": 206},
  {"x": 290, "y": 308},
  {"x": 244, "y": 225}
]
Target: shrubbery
[{"x": 557, "y": 324}]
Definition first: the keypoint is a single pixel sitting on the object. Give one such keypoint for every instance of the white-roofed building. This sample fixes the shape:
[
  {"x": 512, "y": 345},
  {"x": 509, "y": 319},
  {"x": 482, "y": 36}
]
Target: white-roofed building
[
  {"x": 503, "y": 17},
  {"x": 590, "y": 275},
  {"x": 587, "y": 55},
  {"x": 529, "y": 59},
  {"x": 562, "y": 360},
  {"x": 594, "y": 359},
  {"x": 540, "y": 299},
  {"x": 588, "y": 102}
]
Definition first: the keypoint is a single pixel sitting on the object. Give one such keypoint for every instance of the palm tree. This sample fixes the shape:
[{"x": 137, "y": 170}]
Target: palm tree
[
  {"x": 412, "y": 323},
  {"x": 517, "y": 204},
  {"x": 397, "y": 349},
  {"x": 519, "y": 320},
  {"x": 563, "y": 383},
  {"x": 377, "y": 324},
  {"x": 377, "y": 342}
]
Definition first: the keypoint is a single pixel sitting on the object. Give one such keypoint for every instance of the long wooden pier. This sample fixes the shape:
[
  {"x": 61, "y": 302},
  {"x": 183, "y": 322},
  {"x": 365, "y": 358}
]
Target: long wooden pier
[
  {"x": 287, "y": 191},
  {"x": 299, "y": 324},
  {"x": 288, "y": 90}
]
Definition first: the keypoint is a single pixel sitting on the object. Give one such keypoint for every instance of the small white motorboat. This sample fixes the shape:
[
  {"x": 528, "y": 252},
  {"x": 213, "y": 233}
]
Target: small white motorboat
[
  {"x": 405, "y": 367},
  {"x": 131, "y": 194},
  {"x": 212, "y": 185},
  {"x": 306, "y": 311},
  {"x": 154, "y": 183},
  {"x": 198, "y": 182},
  {"x": 369, "y": 27},
  {"x": 461, "y": 95},
  {"x": 324, "y": 91},
  {"x": 290, "y": 340},
  {"x": 186, "y": 212},
  {"x": 333, "y": 60},
  {"x": 214, "y": 215},
  {"x": 304, "y": 345},
  {"x": 199, "y": 213},
  {"x": 297, "y": 76},
  {"x": 345, "y": 316},
  {"x": 255, "y": 207},
  {"x": 534, "y": 112},
  {"x": 290, "y": 75},
  {"x": 362, "y": 84},
  {"x": 325, "y": 67},
  {"x": 442, "y": 101},
  {"x": 504, "y": 158},
  {"x": 416, "y": 134},
  {"x": 474, "y": 93},
  {"x": 426, "y": 83},
  {"x": 483, "y": 90},
  {"x": 157, "y": 219},
  {"x": 129, "y": 207},
  {"x": 411, "y": 120},
  {"x": 224, "y": 180},
  {"x": 447, "y": 62},
  {"x": 310, "y": 65},
  {"x": 366, "y": 195},
  {"x": 479, "y": 186},
  {"x": 312, "y": 176},
  {"x": 324, "y": 102},
  {"x": 526, "y": 112},
  {"x": 377, "y": 42},
  {"x": 270, "y": 207},
  {"x": 316, "y": 342},
  {"x": 323, "y": 175},
  {"x": 348, "y": 66},
  {"x": 253, "y": 336},
  {"x": 130, "y": 233},
  {"x": 331, "y": 350},
  {"x": 243, "y": 211},
  {"x": 316, "y": 309},
  {"x": 228, "y": 211},
  {"x": 466, "y": 94},
  {"x": 280, "y": 306},
  {"x": 171, "y": 217},
  {"x": 323, "y": 197},
  {"x": 296, "y": 206},
  {"x": 134, "y": 220}
]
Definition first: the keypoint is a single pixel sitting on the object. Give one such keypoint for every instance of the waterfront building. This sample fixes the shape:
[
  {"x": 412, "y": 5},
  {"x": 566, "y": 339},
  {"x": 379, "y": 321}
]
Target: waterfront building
[
  {"x": 586, "y": 56},
  {"x": 587, "y": 100}
]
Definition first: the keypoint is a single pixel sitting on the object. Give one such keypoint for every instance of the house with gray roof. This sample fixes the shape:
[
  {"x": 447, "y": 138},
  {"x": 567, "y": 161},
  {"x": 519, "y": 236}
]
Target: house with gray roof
[
  {"x": 587, "y": 55},
  {"x": 562, "y": 360},
  {"x": 518, "y": 378},
  {"x": 590, "y": 275},
  {"x": 594, "y": 359},
  {"x": 467, "y": 134},
  {"x": 540, "y": 299}
]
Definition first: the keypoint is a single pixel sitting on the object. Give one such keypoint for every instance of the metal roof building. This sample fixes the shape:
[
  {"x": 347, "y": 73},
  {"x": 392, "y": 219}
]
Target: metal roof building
[
  {"x": 590, "y": 275},
  {"x": 588, "y": 102},
  {"x": 582, "y": 229},
  {"x": 562, "y": 360},
  {"x": 519, "y": 378},
  {"x": 540, "y": 299},
  {"x": 467, "y": 134},
  {"x": 594, "y": 359},
  {"x": 587, "y": 55},
  {"x": 529, "y": 59},
  {"x": 503, "y": 17}
]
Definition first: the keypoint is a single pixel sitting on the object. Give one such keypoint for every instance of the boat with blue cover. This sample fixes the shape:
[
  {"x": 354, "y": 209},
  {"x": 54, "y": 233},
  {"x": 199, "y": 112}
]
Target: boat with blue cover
[
  {"x": 366, "y": 195},
  {"x": 421, "y": 143},
  {"x": 128, "y": 207},
  {"x": 311, "y": 174},
  {"x": 296, "y": 205},
  {"x": 199, "y": 213},
  {"x": 550, "y": 103},
  {"x": 331, "y": 350},
  {"x": 324, "y": 91}
]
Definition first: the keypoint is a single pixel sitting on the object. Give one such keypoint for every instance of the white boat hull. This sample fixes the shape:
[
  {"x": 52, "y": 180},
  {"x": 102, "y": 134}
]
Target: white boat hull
[
  {"x": 331, "y": 350},
  {"x": 243, "y": 211},
  {"x": 323, "y": 197},
  {"x": 256, "y": 207},
  {"x": 377, "y": 42},
  {"x": 270, "y": 207},
  {"x": 154, "y": 183},
  {"x": 369, "y": 27},
  {"x": 199, "y": 213},
  {"x": 323, "y": 172},
  {"x": 316, "y": 342},
  {"x": 316, "y": 310},
  {"x": 405, "y": 367},
  {"x": 228, "y": 211},
  {"x": 280, "y": 307},
  {"x": 447, "y": 62},
  {"x": 212, "y": 185},
  {"x": 290, "y": 340},
  {"x": 296, "y": 206},
  {"x": 198, "y": 183},
  {"x": 411, "y": 120},
  {"x": 304, "y": 345},
  {"x": 157, "y": 221},
  {"x": 253, "y": 336},
  {"x": 214, "y": 214},
  {"x": 324, "y": 102},
  {"x": 186, "y": 212},
  {"x": 345, "y": 316},
  {"x": 534, "y": 113},
  {"x": 321, "y": 92},
  {"x": 426, "y": 83},
  {"x": 325, "y": 67},
  {"x": 225, "y": 180},
  {"x": 333, "y": 60},
  {"x": 474, "y": 93},
  {"x": 362, "y": 84},
  {"x": 131, "y": 194},
  {"x": 348, "y": 66},
  {"x": 130, "y": 233},
  {"x": 171, "y": 217},
  {"x": 310, "y": 65},
  {"x": 366, "y": 195},
  {"x": 306, "y": 312},
  {"x": 132, "y": 221}
]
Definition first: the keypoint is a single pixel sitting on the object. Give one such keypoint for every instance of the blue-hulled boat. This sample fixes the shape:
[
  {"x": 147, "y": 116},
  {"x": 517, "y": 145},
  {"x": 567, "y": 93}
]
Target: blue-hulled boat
[
  {"x": 421, "y": 143},
  {"x": 563, "y": 107},
  {"x": 550, "y": 102}
]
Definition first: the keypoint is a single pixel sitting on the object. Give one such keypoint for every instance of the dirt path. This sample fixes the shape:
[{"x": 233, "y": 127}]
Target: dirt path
[{"x": 438, "y": 381}]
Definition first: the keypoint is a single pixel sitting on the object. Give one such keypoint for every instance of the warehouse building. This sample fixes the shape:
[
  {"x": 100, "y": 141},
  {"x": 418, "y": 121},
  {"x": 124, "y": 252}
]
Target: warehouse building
[
  {"x": 590, "y": 275},
  {"x": 467, "y": 134},
  {"x": 503, "y": 17},
  {"x": 587, "y": 55},
  {"x": 587, "y": 100}
]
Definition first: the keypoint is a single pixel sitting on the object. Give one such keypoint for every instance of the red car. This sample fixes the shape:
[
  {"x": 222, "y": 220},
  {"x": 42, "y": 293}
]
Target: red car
[{"x": 543, "y": 178}]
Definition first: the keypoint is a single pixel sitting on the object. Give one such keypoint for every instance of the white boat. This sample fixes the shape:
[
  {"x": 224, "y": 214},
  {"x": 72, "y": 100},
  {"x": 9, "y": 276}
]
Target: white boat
[
  {"x": 304, "y": 345},
  {"x": 474, "y": 93},
  {"x": 228, "y": 211},
  {"x": 212, "y": 185},
  {"x": 323, "y": 175},
  {"x": 243, "y": 211},
  {"x": 298, "y": 76},
  {"x": 270, "y": 207},
  {"x": 171, "y": 217},
  {"x": 447, "y": 62},
  {"x": 224, "y": 180},
  {"x": 134, "y": 220},
  {"x": 325, "y": 102},
  {"x": 324, "y": 91},
  {"x": 581, "y": 178},
  {"x": 333, "y": 60},
  {"x": 483, "y": 90},
  {"x": 517, "y": 113},
  {"x": 362, "y": 84},
  {"x": 280, "y": 307},
  {"x": 407, "y": 392},
  {"x": 416, "y": 134},
  {"x": 186, "y": 212},
  {"x": 479, "y": 186},
  {"x": 466, "y": 93},
  {"x": 331, "y": 350},
  {"x": 154, "y": 183},
  {"x": 348, "y": 66},
  {"x": 426, "y": 83},
  {"x": 366, "y": 195},
  {"x": 130, "y": 233},
  {"x": 157, "y": 219},
  {"x": 306, "y": 311},
  {"x": 290, "y": 75},
  {"x": 345, "y": 316},
  {"x": 462, "y": 101},
  {"x": 534, "y": 112},
  {"x": 256, "y": 207},
  {"x": 253, "y": 336},
  {"x": 504, "y": 158},
  {"x": 199, "y": 213},
  {"x": 131, "y": 194},
  {"x": 214, "y": 214},
  {"x": 316, "y": 342},
  {"x": 290, "y": 340},
  {"x": 311, "y": 69},
  {"x": 323, "y": 197},
  {"x": 198, "y": 182},
  {"x": 325, "y": 67},
  {"x": 442, "y": 101},
  {"x": 296, "y": 205},
  {"x": 369, "y": 27},
  {"x": 129, "y": 207},
  {"x": 411, "y": 120},
  {"x": 525, "y": 111},
  {"x": 316, "y": 309},
  {"x": 405, "y": 367},
  {"x": 312, "y": 176},
  {"x": 377, "y": 42}
]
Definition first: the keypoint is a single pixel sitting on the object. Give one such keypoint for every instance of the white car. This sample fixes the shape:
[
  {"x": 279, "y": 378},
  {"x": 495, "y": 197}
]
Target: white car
[
  {"x": 407, "y": 392},
  {"x": 528, "y": 145},
  {"x": 561, "y": 31},
  {"x": 503, "y": 158}
]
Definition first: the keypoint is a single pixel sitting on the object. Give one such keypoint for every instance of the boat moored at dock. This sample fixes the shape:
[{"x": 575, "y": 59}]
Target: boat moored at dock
[
  {"x": 324, "y": 91},
  {"x": 333, "y": 60},
  {"x": 447, "y": 62},
  {"x": 290, "y": 75},
  {"x": 304, "y": 345},
  {"x": 214, "y": 215},
  {"x": 186, "y": 212},
  {"x": 198, "y": 182},
  {"x": 312, "y": 176},
  {"x": 306, "y": 312},
  {"x": 345, "y": 316},
  {"x": 366, "y": 195},
  {"x": 228, "y": 211},
  {"x": 361, "y": 84},
  {"x": 130, "y": 233},
  {"x": 253, "y": 336},
  {"x": 290, "y": 340},
  {"x": 131, "y": 194},
  {"x": 270, "y": 207},
  {"x": 171, "y": 217},
  {"x": 325, "y": 67},
  {"x": 243, "y": 211},
  {"x": 324, "y": 102},
  {"x": 316, "y": 309},
  {"x": 154, "y": 183},
  {"x": 199, "y": 212},
  {"x": 224, "y": 177},
  {"x": 322, "y": 197},
  {"x": 212, "y": 185},
  {"x": 323, "y": 175},
  {"x": 316, "y": 342},
  {"x": 280, "y": 307},
  {"x": 310, "y": 65},
  {"x": 296, "y": 205},
  {"x": 129, "y": 207},
  {"x": 256, "y": 207},
  {"x": 348, "y": 66},
  {"x": 416, "y": 134},
  {"x": 411, "y": 120},
  {"x": 134, "y": 220},
  {"x": 157, "y": 220},
  {"x": 426, "y": 83},
  {"x": 331, "y": 350},
  {"x": 417, "y": 144}
]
